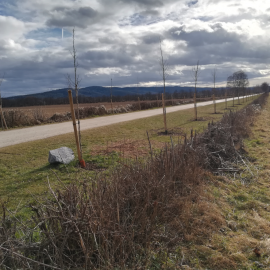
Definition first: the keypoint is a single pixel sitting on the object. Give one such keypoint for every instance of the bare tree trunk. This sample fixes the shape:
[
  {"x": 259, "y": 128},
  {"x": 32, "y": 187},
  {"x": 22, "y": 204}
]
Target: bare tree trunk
[
  {"x": 111, "y": 96},
  {"x": 139, "y": 101},
  {"x": 164, "y": 115},
  {"x": 3, "y": 121},
  {"x": 226, "y": 99},
  {"x": 195, "y": 75},
  {"x": 214, "y": 103},
  {"x": 214, "y": 73},
  {"x": 195, "y": 106},
  {"x": 164, "y": 72},
  {"x": 75, "y": 86}
]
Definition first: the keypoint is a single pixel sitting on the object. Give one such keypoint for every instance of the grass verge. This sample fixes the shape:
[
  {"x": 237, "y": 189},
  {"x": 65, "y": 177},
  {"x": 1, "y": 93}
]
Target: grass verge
[{"x": 24, "y": 168}]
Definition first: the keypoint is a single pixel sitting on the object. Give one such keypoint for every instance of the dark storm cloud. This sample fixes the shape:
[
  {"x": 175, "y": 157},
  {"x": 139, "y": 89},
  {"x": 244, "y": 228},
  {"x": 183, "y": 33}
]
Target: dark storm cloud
[
  {"x": 108, "y": 58},
  {"x": 150, "y": 3},
  {"x": 81, "y": 17},
  {"x": 150, "y": 12},
  {"x": 143, "y": 3},
  {"x": 236, "y": 51},
  {"x": 203, "y": 37},
  {"x": 192, "y": 3},
  {"x": 151, "y": 38}
]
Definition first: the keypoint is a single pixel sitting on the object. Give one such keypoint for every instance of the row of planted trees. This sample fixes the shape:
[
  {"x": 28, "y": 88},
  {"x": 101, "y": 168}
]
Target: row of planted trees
[{"x": 237, "y": 85}]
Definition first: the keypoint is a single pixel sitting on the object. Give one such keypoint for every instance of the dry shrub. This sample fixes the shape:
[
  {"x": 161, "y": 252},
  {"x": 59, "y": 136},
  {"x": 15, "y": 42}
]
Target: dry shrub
[
  {"x": 16, "y": 118},
  {"x": 59, "y": 117},
  {"x": 219, "y": 146},
  {"x": 110, "y": 222},
  {"x": 38, "y": 115}
]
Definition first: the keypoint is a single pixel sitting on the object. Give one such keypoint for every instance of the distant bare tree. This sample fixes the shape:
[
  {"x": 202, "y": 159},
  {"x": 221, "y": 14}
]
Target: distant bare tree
[
  {"x": 164, "y": 72},
  {"x": 195, "y": 71},
  {"x": 265, "y": 87},
  {"x": 238, "y": 81}
]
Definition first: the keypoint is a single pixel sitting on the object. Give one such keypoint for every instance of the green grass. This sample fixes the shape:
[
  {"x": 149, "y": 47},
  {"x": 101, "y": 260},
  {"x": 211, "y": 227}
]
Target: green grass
[{"x": 24, "y": 168}]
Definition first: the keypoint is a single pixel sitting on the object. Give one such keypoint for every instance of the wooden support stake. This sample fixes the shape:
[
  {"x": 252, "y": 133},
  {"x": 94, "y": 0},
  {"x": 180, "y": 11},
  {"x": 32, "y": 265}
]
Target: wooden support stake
[
  {"x": 164, "y": 114},
  {"x": 214, "y": 102},
  {"x": 74, "y": 124},
  {"x": 3, "y": 118},
  {"x": 111, "y": 96},
  {"x": 195, "y": 107},
  {"x": 139, "y": 103},
  {"x": 226, "y": 99}
]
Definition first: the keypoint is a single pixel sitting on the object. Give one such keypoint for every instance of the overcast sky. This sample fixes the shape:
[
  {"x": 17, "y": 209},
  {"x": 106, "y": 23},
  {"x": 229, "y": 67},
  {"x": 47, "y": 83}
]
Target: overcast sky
[{"x": 119, "y": 39}]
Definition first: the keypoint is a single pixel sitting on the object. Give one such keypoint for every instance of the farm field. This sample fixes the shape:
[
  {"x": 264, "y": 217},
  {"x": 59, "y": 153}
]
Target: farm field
[{"x": 50, "y": 110}]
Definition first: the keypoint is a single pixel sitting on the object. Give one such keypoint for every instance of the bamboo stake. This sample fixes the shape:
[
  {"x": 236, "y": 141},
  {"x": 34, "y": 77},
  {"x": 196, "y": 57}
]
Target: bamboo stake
[
  {"x": 3, "y": 118},
  {"x": 164, "y": 114},
  {"x": 74, "y": 124}
]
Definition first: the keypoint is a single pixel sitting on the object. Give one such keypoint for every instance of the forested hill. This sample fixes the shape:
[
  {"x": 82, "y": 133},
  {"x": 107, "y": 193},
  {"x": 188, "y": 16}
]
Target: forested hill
[
  {"x": 99, "y": 91},
  {"x": 99, "y": 94}
]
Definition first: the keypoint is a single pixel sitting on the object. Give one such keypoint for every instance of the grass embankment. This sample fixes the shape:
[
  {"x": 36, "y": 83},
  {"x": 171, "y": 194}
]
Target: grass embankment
[
  {"x": 243, "y": 242},
  {"x": 243, "y": 203},
  {"x": 226, "y": 224},
  {"x": 24, "y": 168}
]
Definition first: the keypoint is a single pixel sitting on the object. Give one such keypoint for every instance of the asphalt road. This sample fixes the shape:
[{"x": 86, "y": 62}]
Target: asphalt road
[{"x": 17, "y": 136}]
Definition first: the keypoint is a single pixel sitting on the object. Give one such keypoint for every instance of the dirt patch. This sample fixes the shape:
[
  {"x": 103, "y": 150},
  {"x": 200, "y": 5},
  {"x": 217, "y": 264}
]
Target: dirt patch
[
  {"x": 127, "y": 148},
  {"x": 176, "y": 131}
]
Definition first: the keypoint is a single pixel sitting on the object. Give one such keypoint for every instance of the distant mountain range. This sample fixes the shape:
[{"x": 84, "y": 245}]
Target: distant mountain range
[{"x": 99, "y": 91}]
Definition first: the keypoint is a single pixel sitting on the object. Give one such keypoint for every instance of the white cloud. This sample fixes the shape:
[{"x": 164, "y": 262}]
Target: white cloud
[{"x": 11, "y": 28}]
